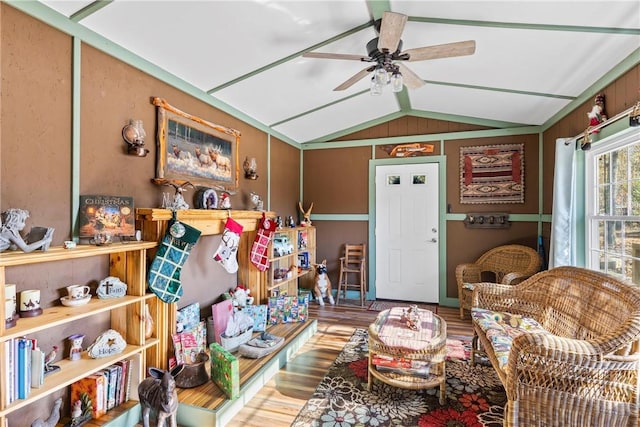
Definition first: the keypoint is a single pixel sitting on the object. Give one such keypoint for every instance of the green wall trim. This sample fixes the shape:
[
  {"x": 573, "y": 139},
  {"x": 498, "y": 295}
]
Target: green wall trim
[
  {"x": 581, "y": 201},
  {"x": 269, "y": 172},
  {"x": 89, "y": 9},
  {"x": 75, "y": 136},
  {"x": 488, "y": 133},
  {"x": 540, "y": 179},
  {"x": 301, "y": 175},
  {"x": 455, "y": 216},
  {"x": 442, "y": 253},
  {"x": 499, "y": 89},
  {"x": 524, "y": 26},
  {"x": 60, "y": 22},
  {"x": 448, "y": 217},
  {"x": 463, "y": 119},
  {"x": 340, "y": 217},
  {"x": 404, "y": 101},
  {"x": 378, "y": 7}
]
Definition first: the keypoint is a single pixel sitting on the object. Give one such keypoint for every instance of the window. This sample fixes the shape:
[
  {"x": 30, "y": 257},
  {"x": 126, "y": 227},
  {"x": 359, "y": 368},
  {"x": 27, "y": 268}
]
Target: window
[{"x": 613, "y": 206}]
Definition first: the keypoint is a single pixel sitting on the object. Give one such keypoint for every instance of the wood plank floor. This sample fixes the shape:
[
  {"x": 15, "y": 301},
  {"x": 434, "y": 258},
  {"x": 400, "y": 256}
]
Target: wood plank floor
[{"x": 278, "y": 403}]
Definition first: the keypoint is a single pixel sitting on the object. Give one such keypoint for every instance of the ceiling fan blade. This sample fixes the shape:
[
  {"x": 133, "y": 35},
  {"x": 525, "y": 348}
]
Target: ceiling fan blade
[
  {"x": 323, "y": 55},
  {"x": 447, "y": 50},
  {"x": 351, "y": 81},
  {"x": 409, "y": 78},
  {"x": 391, "y": 31}
]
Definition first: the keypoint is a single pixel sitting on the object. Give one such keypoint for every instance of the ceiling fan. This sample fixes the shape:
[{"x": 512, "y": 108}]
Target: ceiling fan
[{"x": 386, "y": 54}]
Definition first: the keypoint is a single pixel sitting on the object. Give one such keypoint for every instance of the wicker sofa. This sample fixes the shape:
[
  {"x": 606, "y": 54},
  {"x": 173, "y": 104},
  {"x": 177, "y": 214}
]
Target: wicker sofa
[{"x": 566, "y": 346}]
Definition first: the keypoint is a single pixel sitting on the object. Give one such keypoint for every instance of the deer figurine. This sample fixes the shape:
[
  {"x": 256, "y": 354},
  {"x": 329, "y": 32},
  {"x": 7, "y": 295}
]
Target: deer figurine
[
  {"x": 158, "y": 392},
  {"x": 306, "y": 216}
]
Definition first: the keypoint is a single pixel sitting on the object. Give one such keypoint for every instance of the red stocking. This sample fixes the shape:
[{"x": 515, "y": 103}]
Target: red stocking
[{"x": 259, "y": 256}]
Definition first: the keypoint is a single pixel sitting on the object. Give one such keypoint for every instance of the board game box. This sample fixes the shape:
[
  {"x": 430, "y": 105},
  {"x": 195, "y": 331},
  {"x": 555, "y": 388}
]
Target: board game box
[{"x": 106, "y": 214}]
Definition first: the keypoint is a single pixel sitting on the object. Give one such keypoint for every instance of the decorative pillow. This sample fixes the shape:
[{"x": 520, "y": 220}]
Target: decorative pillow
[{"x": 501, "y": 328}]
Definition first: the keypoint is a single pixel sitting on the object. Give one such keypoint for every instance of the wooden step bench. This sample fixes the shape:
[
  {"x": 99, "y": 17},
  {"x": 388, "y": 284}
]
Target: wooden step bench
[{"x": 207, "y": 405}]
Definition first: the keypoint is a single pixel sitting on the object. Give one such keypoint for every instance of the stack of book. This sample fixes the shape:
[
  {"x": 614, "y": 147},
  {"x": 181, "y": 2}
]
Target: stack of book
[
  {"x": 106, "y": 389},
  {"x": 24, "y": 365}
]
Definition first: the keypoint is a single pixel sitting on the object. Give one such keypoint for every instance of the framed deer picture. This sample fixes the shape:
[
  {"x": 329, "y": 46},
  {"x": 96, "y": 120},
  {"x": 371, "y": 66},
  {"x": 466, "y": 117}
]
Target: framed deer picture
[{"x": 195, "y": 150}]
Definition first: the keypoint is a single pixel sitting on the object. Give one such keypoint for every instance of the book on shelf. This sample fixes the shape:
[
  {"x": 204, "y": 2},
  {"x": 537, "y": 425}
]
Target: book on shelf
[
  {"x": 94, "y": 387},
  {"x": 111, "y": 379},
  {"x": 125, "y": 380},
  {"x": 37, "y": 367},
  {"x": 24, "y": 368},
  {"x": 9, "y": 366}
]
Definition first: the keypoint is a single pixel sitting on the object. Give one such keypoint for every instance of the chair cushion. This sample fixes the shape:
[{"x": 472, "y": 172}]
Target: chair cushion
[
  {"x": 501, "y": 328},
  {"x": 468, "y": 286}
]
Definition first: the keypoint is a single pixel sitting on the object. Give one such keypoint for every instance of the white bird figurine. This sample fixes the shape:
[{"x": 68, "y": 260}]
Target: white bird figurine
[
  {"x": 49, "y": 358},
  {"x": 76, "y": 411}
]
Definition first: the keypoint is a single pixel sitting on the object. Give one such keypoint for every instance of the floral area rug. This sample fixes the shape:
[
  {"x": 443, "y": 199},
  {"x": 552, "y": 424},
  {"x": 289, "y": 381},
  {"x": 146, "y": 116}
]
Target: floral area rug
[{"x": 475, "y": 397}]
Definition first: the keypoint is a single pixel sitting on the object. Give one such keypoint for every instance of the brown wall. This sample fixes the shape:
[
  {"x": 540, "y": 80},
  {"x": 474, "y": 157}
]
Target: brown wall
[{"x": 285, "y": 178}]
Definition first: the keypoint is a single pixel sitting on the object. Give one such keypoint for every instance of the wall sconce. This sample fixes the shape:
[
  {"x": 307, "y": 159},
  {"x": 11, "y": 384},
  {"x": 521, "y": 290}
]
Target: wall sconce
[
  {"x": 134, "y": 134},
  {"x": 250, "y": 168}
]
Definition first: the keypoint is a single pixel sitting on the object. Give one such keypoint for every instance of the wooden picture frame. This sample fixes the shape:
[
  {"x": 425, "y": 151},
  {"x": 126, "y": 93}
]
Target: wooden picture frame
[{"x": 195, "y": 150}]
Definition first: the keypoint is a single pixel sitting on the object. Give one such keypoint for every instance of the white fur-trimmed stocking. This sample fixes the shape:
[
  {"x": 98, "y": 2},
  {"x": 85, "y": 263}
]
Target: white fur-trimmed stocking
[{"x": 227, "y": 252}]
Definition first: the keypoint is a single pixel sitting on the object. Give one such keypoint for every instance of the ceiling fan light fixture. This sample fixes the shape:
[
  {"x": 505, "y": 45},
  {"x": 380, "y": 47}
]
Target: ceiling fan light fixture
[
  {"x": 381, "y": 76},
  {"x": 375, "y": 88},
  {"x": 396, "y": 82}
]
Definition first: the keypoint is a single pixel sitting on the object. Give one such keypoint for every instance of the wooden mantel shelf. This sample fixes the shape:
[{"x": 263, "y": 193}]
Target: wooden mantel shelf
[{"x": 207, "y": 221}]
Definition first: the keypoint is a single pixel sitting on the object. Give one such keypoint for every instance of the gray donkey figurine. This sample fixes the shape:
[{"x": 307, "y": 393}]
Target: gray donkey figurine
[{"x": 158, "y": 392}]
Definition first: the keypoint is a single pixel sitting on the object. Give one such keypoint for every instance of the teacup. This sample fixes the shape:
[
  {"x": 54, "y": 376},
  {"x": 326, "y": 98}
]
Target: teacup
[{"x": 78, "y": 291}]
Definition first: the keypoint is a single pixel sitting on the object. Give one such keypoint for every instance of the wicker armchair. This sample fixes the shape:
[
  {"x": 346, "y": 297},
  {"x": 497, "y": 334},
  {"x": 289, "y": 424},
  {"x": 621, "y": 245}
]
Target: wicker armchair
[
  {"x": 581, "y": 367},
  {"x": 509, "y": 264}
]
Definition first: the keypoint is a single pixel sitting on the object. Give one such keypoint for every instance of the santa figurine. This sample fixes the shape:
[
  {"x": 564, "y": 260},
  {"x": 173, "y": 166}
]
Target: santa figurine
[{"x": 597, "y": 114}]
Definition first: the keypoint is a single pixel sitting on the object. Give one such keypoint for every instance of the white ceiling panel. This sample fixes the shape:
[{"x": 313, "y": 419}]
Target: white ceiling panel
[
  {"x": 603, "y": 13},
  {"x": 524, "y": 60},
  {"x": 501, "y": 106},
  {"x": 344, "y": 115},
  {"x": 211, "y": 42},
  {"x": 532, "y": 60}
]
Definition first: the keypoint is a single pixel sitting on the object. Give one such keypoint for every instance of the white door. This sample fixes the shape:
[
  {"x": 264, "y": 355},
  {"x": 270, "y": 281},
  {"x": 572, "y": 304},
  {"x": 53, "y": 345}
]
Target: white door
[{"x": 407, "y": 232}]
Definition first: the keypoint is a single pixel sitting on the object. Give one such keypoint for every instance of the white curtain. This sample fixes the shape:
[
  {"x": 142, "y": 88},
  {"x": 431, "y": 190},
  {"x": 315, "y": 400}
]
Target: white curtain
[{"x": 562, "y": 249}]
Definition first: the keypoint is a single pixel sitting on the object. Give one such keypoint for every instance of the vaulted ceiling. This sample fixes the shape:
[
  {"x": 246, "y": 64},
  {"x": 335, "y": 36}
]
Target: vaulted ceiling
[{"x": 533, "y": 59}]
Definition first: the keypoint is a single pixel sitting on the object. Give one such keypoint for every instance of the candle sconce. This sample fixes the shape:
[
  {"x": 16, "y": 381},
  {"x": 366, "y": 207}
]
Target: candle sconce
[
  {"x": 487, "y": 220},
  {"x": 250, "y": 167},
  {"x": 134, "y": 135}
]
